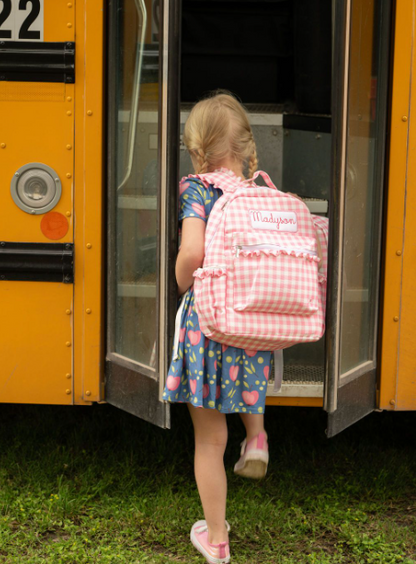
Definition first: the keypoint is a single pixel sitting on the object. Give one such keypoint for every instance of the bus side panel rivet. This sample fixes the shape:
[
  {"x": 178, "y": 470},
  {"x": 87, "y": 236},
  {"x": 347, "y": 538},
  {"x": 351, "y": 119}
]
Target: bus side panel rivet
[
  {"x": 68, "y": 175},
  {"x": 87, "y": 393},
  {"x": 392, "y": 402},
  {"x": 398, "y": 253},
  {"x": 89, "y": 245},
  {"x": 88, "y": 310},
  {"x": 69, "y": 147},
  {"x": 395, "y": 318},
  {"x": 68, "y": 344},
  {"x": 68, "y": 214},
  {"x": 404, "y": 118},
  {"x": 89, "y": 113},
  {"x": 68, "y": 376},
  {"x": 68, "y": 113},
  {"x": 3, "y": 145},
  {"x": 69, "y": 24},
  {"x": 67, "y": 392},
  {"x": 69, "y": 99},
  {"x": 69, "y": 5},
  {"x": 68, "y": 311}
]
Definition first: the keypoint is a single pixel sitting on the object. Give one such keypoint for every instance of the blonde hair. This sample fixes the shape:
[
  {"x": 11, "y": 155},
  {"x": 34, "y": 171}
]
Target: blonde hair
[{"x": 217, "y": 128}]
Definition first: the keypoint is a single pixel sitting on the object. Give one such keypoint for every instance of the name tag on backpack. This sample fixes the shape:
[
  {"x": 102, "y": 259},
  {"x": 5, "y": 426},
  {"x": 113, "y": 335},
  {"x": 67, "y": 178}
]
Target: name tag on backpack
[{"x": 274, "y": 220}]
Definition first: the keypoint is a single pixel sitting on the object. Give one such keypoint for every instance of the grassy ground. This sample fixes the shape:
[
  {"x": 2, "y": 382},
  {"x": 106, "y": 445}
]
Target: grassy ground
[{"x": 86, "y": 485}]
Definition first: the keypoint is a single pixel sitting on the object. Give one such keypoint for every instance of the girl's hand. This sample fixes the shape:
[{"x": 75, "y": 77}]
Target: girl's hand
[
  {"x": 191, "y": 252},
  {"x": 295, "y": 196},
  {"x": 319, "y": 249}
]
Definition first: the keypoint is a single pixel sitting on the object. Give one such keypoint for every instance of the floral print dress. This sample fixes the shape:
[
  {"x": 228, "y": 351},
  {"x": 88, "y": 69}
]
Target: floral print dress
[{"x": 203, "y": 372}]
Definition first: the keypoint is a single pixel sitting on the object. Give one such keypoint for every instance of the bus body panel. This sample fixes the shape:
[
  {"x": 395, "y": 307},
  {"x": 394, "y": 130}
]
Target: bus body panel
[
  {"x": 52, "y": 332},
  {"x": 397, "y": 386},
  {"x": 89, "y": 195},
  {"x": 36, "y": 339}
]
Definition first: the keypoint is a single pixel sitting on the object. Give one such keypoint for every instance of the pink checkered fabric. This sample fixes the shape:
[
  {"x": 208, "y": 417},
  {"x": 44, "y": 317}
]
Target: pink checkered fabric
[
  {"x": 322, "y": 229},
  {"x": 259, "y": 287}
]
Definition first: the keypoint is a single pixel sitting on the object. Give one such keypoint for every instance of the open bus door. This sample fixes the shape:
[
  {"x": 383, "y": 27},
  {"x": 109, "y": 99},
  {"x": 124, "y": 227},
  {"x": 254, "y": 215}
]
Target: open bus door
[
  {"x": 359, "y": 118},
  {"x": 143, "y": 109},
  {"x": 143, "y": 140}
]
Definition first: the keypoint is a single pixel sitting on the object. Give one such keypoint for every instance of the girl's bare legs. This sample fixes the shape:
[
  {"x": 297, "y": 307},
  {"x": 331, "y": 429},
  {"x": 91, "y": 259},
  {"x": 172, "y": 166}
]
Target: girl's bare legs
[
  {"x": 254, "y": 424},
  {"x": 210, "y": 441}
]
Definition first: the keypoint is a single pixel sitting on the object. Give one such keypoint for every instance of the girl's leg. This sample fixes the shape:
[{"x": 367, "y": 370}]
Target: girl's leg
[
  {"x": 210, "y": 441},
  {"x": 254, "y": 424}
]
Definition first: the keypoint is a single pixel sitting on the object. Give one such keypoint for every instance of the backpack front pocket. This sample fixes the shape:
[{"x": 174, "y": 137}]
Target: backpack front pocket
[
  {"x": 273, "y": 279},
  {"x": 210, "y": 285}
]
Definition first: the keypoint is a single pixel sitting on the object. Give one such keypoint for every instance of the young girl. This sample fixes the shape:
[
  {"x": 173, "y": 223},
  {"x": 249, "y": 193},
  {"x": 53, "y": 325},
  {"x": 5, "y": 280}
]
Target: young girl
[{"x": 218, "y": 136}]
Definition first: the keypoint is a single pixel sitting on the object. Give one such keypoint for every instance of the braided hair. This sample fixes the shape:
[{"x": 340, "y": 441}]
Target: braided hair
[{"x": 218, "y": 129}]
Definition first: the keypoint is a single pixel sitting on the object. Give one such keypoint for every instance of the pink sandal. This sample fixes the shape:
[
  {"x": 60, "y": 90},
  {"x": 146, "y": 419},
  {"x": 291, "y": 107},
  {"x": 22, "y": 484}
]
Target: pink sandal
[
  {"x": 214, "y": 553},
  {"x": 254, "y": 458}
]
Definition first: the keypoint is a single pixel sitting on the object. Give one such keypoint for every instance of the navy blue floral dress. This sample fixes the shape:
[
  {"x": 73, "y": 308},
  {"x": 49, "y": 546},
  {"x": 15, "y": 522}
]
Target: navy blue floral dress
[{"x": 203, "y": 372}]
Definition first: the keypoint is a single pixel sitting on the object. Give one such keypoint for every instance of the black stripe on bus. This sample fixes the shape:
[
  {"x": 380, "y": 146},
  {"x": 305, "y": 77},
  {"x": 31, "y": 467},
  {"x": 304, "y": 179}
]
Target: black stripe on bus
[
  {"x": 36, "y": 61},
  {"x": 37, "y": 262}
]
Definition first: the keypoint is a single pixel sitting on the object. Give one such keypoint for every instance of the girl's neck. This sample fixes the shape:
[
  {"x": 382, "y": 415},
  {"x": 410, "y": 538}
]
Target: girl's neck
[{"x": 235, "y": 167}]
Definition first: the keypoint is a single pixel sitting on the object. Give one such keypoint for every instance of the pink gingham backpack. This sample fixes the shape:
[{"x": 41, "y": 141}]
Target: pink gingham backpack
[{"x": 259, "y": 287}]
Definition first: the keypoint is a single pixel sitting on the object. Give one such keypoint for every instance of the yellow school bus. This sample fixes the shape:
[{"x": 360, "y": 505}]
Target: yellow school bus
[{"x": 93, "y": 98}]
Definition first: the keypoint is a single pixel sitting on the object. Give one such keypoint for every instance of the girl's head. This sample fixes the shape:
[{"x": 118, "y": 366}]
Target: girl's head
[{"x": 217, "y": 132}]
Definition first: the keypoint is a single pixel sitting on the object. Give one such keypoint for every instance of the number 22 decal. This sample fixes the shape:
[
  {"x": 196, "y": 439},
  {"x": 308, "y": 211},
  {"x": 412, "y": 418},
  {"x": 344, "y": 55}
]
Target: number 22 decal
[
  {"x": 4, "y": 15},
  {"x": 17, "y": 23}
]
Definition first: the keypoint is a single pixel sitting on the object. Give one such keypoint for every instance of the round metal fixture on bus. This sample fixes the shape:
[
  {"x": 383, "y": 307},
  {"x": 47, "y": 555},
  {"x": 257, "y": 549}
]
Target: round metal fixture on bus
[{"x": 35, "y": 188}]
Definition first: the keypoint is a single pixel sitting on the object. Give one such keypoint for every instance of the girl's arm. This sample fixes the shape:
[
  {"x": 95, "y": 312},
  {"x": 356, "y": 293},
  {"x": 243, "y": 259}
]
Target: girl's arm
[{"x": 191, "y": 252}]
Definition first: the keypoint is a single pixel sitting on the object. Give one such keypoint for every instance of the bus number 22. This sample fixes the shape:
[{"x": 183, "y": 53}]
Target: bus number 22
[{"x": 21, "y": 30}]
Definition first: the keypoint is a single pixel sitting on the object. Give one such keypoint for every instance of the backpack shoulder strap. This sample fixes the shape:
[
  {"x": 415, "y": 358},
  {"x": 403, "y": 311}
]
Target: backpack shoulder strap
[{"x": 265, "y": 177}]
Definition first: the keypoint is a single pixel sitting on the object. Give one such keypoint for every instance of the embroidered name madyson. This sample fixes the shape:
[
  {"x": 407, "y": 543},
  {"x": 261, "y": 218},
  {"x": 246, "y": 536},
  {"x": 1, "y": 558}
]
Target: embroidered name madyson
[{"x": 274, "y": 220}]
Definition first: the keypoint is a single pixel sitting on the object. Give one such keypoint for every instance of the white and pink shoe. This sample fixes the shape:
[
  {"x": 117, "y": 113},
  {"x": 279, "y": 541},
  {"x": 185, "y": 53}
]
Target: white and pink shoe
[
  {"x": 213, "y": 553},
  {"x": 254, "y": 458}
]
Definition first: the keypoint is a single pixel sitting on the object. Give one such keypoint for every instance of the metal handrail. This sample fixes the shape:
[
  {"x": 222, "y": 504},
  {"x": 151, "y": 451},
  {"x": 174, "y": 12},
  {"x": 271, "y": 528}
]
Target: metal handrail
[{"x": 140, "y": 6}]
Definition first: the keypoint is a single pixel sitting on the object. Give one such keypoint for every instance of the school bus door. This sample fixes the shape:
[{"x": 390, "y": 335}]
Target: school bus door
[
  {"x": 143, "y": 108},
  {"x": 143, "y": 137},
  {"x": 360, "y": 88}
]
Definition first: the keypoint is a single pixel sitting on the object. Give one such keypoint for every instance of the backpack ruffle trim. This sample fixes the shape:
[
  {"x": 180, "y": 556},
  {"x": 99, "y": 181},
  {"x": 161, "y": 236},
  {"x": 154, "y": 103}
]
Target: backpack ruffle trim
[
  {"x": 276, "y": 253},
  {"x": 209, "y": 272}
]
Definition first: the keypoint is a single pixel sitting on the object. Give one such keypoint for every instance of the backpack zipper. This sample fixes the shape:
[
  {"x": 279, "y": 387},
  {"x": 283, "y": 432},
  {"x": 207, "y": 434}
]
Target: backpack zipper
[{"x": 260, "y": 247}]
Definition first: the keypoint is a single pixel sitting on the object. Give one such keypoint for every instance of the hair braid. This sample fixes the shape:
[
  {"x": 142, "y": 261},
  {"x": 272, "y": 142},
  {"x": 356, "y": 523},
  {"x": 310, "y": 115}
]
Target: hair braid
[
  {"x": 253, "y": 161},
  {"x": 203, "y": 163}
]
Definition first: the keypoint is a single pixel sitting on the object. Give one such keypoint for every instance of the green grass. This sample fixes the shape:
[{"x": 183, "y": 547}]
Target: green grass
[{"x": 93, "y": 484}]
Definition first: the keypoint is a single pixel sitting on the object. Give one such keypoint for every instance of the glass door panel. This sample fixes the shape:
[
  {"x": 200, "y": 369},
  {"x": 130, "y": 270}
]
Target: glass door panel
[
  {"x": 136, "y": 173},
  {"x": 359, "y": 146},
  {"x": 363, "y": 193}
]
